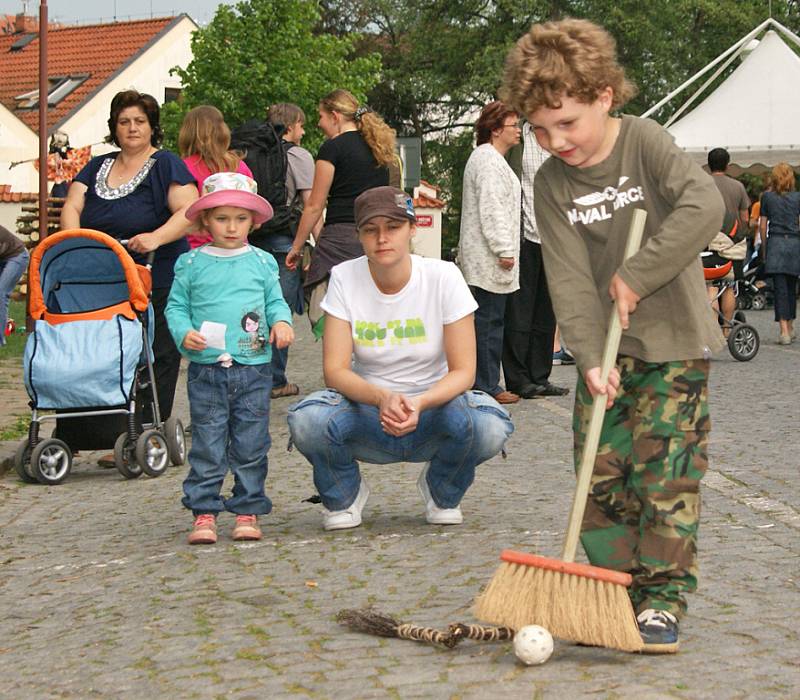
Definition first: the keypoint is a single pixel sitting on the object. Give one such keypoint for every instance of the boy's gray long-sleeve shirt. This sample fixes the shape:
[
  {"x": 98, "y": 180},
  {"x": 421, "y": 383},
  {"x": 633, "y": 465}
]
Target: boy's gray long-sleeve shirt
[{"x": 584, "y": 216}]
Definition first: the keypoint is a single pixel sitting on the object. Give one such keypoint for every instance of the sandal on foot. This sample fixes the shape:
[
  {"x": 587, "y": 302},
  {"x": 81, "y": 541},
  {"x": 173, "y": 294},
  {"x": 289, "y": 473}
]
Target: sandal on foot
[
  {"x": 280, "y": 392},
  {"x": 107, "y": 461}
]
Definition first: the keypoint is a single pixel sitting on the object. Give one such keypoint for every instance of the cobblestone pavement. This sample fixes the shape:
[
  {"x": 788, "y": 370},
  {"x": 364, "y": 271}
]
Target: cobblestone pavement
[{"x": 103, "y": 598}]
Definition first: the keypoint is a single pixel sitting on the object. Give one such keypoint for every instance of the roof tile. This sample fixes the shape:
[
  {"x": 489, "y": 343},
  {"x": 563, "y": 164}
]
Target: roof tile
[{"x": 98, "y": 49}]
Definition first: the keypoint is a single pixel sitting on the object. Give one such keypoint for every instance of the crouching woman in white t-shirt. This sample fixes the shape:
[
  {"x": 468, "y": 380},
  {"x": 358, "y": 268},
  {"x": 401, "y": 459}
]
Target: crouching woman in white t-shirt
[{"x": 399, "y": 360}]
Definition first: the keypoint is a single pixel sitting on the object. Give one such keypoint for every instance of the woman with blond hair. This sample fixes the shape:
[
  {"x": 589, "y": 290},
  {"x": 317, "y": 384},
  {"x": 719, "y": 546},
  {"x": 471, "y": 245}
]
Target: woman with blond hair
[
  {"x": 356, "y": 157},
  {"x": 204, "y": 143},
  {"x": 780, "y": 209}
]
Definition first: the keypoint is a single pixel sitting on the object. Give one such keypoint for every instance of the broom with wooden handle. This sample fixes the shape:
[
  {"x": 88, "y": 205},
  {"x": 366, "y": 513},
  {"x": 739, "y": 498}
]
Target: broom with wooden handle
[{"x": 577, "y": 602}]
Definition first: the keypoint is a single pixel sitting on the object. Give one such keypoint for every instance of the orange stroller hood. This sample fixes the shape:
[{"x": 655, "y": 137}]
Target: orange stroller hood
[{"x": 137, "y": 277}]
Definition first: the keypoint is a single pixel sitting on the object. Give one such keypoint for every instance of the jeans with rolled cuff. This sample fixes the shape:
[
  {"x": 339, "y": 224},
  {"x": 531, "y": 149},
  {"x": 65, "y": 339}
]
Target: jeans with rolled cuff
[
  {"x": 334, "y": 434},
  {"x": 229, "y": 407}
]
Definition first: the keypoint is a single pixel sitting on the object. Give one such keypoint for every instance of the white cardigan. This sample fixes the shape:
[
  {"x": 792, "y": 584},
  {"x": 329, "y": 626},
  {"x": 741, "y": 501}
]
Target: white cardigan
[{"x": 490, "y": 219}]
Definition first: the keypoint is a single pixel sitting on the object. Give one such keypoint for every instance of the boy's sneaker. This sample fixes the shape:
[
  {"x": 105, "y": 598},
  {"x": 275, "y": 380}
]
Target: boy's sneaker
[
  {"x": 659, "y": 630},
  {"x": 562, "y": 357},
  {"x": 246, "y": 528},
  {"x": 204, "y": 530},
  {"x": 433, "y": 514},
  {"x": 350, "y": 516}
]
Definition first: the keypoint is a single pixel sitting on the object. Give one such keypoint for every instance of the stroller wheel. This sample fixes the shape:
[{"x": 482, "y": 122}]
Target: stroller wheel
[
  {"x": 152, "y": 453},
  {"x": 51, "y": 461},
  {"x": 125, "y": 459},
  {"x": 22, "y": 460},
  {"x": 743, "y": 342},
  {"x": 759, "y": 301},
  {"x": 176, "y": 441}
]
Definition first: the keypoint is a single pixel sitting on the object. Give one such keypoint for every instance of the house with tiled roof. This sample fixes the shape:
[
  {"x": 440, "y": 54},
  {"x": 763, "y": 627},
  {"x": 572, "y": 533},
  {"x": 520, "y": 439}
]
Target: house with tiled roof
[{"x": 87, "y": 66}]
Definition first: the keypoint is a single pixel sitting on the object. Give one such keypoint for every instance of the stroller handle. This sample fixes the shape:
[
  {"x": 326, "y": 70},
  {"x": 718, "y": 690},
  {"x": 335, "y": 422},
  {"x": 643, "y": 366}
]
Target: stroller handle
[{"x": 150, "y": 256}]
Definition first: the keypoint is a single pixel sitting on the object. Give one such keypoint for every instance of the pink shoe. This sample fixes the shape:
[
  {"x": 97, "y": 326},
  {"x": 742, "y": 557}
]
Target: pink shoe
[
  {"x": 204, "y": 530},
  {"x": 246, "y": 528}
]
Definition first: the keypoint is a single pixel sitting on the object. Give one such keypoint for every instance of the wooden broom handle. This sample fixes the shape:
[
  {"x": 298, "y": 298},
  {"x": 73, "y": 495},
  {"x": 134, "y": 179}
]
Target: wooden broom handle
[{"x": 599, "y": 406}]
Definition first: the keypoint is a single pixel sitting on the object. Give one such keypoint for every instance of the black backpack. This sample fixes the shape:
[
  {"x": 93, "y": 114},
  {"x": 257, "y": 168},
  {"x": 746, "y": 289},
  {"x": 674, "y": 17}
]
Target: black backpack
[{"x": 265, "y": 154}]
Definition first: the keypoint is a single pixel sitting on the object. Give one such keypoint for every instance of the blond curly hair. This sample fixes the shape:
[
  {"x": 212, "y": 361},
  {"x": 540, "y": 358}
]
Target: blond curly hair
[
  {"x": 380, "y": 137},
  {"x": 572, "y": 57}
]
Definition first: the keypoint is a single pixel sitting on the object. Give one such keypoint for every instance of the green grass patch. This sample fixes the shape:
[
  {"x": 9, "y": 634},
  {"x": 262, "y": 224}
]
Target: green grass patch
[{"x": 16, "y": 430}]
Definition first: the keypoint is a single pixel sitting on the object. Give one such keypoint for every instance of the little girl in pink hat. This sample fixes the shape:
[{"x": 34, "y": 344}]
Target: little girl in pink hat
[{"x": 225, "y": 311}]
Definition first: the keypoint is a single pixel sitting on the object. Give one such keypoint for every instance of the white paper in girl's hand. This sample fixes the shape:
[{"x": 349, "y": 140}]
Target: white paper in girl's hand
[{"x": 214, "y": 333}]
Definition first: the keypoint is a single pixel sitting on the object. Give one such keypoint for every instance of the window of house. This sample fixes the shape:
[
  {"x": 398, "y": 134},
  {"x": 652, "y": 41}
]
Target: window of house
[
  {"x": 171, "y": 94},
  {"x": 59, "y": 87}
]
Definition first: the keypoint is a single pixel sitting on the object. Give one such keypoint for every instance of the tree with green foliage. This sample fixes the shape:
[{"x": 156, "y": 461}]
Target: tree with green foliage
[
  {"x": 259, "y": 52},
  {"x": 443, "y": 59}
]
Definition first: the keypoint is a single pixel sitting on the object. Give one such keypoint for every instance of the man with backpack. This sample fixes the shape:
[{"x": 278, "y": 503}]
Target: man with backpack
[{"x": 284, "y": 173}]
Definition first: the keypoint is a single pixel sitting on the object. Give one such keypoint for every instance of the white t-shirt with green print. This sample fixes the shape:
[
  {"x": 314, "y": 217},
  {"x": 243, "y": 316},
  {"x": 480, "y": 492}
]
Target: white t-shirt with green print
[{"x": 398, "y": 339}]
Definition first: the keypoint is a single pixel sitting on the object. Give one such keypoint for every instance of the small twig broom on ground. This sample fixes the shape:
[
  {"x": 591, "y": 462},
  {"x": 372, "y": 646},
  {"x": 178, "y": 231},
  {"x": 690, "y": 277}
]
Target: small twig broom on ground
[
  {"x": 380, "y": 624},
  {"x": 576, "y": 602}
]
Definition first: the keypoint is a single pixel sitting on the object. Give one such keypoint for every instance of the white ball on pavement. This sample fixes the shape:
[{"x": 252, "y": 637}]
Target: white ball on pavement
[{"x": 533, "y": 645}]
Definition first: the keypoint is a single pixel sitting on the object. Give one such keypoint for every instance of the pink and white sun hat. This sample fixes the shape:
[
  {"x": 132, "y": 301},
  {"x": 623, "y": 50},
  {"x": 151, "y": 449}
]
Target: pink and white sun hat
[{"x": 231, "y": 190}]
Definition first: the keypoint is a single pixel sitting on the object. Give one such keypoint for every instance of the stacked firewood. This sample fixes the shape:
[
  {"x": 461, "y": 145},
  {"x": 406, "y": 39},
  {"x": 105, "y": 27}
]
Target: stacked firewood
[{"x": 28, "y": 231}]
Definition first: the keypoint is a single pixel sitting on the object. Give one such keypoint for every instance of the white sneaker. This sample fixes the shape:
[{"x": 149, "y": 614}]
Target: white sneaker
[
  {"x": 351, "y": 516},
  {"x": 433, "y": 514}
]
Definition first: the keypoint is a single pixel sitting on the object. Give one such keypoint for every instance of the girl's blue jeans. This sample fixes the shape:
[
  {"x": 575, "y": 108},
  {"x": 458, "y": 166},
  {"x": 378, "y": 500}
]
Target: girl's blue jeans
[
  {"x": 334, "y": 433},
  {"x": 11, "y": 270},
  {"x": 229, "y": 407}
]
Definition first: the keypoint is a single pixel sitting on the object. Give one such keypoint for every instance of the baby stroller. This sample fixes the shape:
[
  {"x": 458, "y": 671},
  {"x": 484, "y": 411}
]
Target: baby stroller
[
  {"x": 749, "y": 294},
  {"x": 743, "y": 339},
  {"x": 89, "y": 358}
]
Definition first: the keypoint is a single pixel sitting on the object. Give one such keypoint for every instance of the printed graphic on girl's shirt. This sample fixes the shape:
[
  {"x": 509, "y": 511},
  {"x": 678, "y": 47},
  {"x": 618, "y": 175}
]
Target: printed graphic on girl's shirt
[
  {"x": 375, "y": 335},
  {"x": 254, "y": 341}
]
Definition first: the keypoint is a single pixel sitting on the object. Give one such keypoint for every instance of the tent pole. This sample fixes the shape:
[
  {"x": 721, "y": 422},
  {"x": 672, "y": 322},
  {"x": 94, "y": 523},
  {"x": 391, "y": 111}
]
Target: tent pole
[
  {"x": 788, "y": 33},
  {"x": 700, "y": 90},
  {"x": 702, "y": 72},
  {"x": 795, "y": 39}
]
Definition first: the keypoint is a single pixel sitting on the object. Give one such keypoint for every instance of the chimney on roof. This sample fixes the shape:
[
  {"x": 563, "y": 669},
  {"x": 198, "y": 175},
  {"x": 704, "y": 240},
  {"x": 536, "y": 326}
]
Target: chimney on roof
[{"x": 24, "y": 24}]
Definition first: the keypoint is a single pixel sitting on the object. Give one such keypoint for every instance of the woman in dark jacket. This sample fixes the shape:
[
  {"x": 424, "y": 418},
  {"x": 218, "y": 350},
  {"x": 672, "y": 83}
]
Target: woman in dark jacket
[
  {"x": 780, "y": 211},
  {"x": 141, "y": 194}
]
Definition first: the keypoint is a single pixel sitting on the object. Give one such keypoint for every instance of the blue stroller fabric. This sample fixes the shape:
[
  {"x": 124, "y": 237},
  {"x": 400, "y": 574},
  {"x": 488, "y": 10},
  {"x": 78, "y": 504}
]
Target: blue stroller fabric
[{"x": 82, "y": 363}]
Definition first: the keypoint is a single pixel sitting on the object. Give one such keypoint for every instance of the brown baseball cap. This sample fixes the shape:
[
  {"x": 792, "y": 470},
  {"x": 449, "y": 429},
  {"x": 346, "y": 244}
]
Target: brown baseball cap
[{"x": 384, "y": 201}]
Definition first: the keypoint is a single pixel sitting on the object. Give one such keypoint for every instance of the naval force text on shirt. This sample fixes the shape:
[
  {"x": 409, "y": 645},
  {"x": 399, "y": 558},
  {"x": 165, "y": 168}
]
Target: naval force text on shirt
[{"x": 599, "y": 206}]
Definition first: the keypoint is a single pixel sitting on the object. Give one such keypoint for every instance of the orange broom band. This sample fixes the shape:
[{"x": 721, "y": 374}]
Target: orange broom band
[{"x": 564, "y": 567}]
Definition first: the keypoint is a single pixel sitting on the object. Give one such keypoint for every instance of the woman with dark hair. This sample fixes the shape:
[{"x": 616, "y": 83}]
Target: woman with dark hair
[
  {"x": 356, "y": 157},
  {"x": 488, "y": 247},
  {"x": 780, "y": 209},
  {"x": 141, "y": 194}
]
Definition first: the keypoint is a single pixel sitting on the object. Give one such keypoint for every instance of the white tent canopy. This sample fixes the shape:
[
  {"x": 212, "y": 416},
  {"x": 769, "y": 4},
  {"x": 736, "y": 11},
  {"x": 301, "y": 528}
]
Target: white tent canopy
[{"x": 754, "y": 113}]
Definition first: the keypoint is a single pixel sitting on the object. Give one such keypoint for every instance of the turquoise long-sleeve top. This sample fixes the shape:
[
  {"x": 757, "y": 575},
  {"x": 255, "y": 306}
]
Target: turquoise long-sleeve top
[{"x": 238, "y": 288}]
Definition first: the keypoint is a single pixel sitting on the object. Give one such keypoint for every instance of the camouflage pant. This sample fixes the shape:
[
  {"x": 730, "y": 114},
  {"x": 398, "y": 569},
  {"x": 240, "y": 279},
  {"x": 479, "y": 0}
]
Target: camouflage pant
[{"x": 644, "y": 501}]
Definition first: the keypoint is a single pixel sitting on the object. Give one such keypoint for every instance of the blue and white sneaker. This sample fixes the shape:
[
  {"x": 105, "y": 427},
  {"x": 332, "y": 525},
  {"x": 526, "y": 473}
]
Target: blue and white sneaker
[
  {"x": 562, "y": 357},
  {"x": 659, "y": 630}
]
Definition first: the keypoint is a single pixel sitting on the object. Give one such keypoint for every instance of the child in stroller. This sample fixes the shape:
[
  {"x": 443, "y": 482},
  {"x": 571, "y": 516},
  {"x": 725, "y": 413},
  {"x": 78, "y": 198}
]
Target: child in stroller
[
  {"x": 718, "y": 269},
  {"x": 89, "y": 358}
]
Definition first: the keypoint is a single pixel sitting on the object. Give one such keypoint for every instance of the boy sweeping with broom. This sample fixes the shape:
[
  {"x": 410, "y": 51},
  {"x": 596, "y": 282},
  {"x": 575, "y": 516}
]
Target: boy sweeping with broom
[{"x": 644, "y": 503}]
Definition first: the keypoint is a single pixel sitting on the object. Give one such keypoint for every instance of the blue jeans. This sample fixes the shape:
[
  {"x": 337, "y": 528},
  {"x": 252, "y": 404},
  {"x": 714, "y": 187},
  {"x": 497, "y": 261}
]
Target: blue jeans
[
  {"x": 291, "y": 287},
  {"x": 11, "y": 270},
  {"x": 333, "y": 432},
  {"x": 229, "y": 407},
  {"x": 489, "y": 324},
  {"x": 785, "y": 297}
]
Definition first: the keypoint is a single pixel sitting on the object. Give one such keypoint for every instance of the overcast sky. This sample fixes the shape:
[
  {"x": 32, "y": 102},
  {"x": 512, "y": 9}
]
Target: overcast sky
[{"x": 85, "y": 11}]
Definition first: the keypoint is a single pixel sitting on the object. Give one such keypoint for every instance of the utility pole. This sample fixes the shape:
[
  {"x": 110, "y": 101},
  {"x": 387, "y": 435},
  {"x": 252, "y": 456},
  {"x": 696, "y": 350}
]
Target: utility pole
[{"x": 43, "y": 90}]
